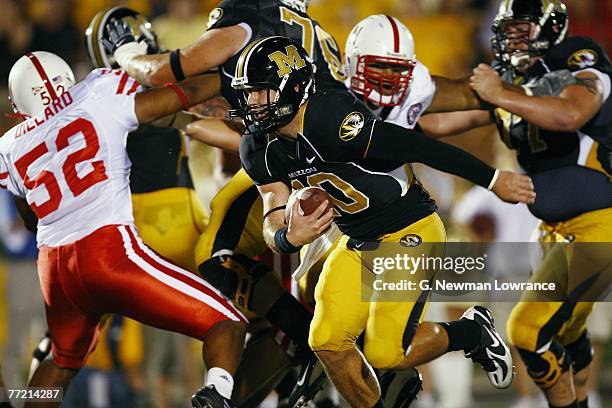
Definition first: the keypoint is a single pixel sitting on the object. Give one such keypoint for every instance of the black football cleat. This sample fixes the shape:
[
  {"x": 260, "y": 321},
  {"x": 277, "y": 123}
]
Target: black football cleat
[
  {"x": 310, "y": 382},
  {"x": 492, "y": 353},
  {"x": 412, "y": 386},
  {"x": 208, "y": 397},
  {"x": 410, "y": 383}
]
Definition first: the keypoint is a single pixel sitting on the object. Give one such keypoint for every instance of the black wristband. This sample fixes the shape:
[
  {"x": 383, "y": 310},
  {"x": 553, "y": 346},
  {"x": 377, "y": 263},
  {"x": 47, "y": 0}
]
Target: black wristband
[
  {"x": 282, "y": 244},
  {"x": 175, "y": 65},
  {"x": 280, "y": 207}
]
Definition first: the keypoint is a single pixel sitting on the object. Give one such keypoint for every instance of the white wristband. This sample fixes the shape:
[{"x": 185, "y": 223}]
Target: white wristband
[
  {"x": 493, "y": 180},
  {"x": 128, "y": 51}
]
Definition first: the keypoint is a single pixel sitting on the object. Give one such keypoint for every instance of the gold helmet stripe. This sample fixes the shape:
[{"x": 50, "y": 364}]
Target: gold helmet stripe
[
  {"x": 93, "y": 39},
  {"x": 245, "y": 56}
]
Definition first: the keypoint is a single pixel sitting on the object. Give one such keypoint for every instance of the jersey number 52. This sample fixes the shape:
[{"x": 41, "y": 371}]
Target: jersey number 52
[{"x": 76, "y": 183}]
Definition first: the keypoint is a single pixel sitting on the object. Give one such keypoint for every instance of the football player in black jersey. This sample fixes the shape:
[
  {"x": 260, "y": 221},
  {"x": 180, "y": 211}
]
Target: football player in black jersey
[
  {"x": 563, "y": 135},
  {"x": 233, "y": 235},
  {"x": 328, "y": 138}
]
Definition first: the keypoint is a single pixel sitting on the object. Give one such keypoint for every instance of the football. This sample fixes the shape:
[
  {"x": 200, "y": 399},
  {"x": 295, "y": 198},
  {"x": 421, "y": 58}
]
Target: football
[{"x": 310, "y": 198}]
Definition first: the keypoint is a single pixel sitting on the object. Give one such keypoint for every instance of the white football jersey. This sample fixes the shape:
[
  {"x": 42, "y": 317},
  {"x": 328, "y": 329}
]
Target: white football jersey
[
  {"x": 418, "y": 98},
  {"x": 70, "y": 161}
]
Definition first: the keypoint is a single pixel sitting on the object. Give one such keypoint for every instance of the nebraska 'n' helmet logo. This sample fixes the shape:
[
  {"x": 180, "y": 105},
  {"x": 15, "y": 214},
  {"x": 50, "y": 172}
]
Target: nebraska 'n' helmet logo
[{"x": 582, "y": 59}]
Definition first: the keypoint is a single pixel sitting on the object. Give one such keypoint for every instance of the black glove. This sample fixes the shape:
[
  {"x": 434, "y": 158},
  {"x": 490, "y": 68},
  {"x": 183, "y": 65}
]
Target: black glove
[{"x": 117, "y": 33}]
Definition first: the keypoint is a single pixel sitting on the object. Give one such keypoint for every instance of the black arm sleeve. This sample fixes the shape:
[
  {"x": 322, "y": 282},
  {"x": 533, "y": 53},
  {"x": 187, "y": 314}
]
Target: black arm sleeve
[{"x": 392, "y": 142}]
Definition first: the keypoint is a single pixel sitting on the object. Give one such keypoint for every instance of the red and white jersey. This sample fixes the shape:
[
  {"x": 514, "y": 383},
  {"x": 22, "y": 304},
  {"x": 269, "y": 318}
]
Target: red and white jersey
[
  {"x": 70, "y": 161},
  {"x": 418, "y": 98}
]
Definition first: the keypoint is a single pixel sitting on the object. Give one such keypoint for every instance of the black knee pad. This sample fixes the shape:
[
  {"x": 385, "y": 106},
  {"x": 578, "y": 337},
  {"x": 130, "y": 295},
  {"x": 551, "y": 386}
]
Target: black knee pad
[
  {"x": 581, "y": 352},
  {"x": 546, "y": 368},
  {"x": 235, "y": 276}
]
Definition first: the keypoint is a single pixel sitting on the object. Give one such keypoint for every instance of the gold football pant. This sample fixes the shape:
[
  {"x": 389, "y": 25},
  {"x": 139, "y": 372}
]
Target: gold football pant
[
  {"x": 236, "y": 222},
  {"x": 342, "y": 315},
  {"x": 233, "y": 236},
  {"x": 170, "y": 221},
  {"x": 577, "y": 256}
]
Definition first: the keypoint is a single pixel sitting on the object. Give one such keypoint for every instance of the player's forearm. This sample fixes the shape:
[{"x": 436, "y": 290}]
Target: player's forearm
[
  {"x": 390, "y": 142},
  {"x": 454, "y": 95},
  {"x": 271, "y": 227},
  {"x": 150, "y": 70},
  {"x": 438, "y": 125},
  {"x": 155, "y": 103},
  {"x": 201, "y": 88},
  {"x": 215, "y": 132},
  {"x": 275, "y": 196}
]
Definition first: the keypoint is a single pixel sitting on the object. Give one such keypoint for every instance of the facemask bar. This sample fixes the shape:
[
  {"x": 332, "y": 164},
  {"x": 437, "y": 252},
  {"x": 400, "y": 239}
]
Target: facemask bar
[
  {"x": 259, "y": 117},
  {"x": 537, "y": 45},
  {"x": 374, "y": 84}
]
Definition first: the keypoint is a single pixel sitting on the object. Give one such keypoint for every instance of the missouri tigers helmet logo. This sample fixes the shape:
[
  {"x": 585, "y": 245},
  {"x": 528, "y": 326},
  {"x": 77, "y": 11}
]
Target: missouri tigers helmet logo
[
  {"x": 582, "y": 59},
  {"x": 287, "y": 62},
  {"x": 351, "y": 126}
]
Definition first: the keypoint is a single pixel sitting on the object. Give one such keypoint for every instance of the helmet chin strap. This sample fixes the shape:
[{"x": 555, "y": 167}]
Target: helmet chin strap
[
  {"x": 375, "y": 97},
  {"x": 519, "y": 60}
]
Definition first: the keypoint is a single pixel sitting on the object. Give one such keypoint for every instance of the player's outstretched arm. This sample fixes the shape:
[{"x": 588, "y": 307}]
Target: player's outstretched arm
[
  {"x": 454, "y": 95},
  {"x": 575, "y": 105},
  {"x": 155, "y": 103},
  {"x": 392, "y": 142},
  {"x": 211, "y": 50},
  {"x": 301, "y": 229},
  {"x": 221, "y": 133},
  {"x": 438, "y": 125}
]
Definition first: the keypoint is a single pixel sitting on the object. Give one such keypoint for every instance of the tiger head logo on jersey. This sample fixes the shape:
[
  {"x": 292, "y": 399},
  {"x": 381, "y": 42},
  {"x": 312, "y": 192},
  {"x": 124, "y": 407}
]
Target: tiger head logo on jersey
[
  {"x": 582, "y": 59},
  {"x": 351, "y": 126}
]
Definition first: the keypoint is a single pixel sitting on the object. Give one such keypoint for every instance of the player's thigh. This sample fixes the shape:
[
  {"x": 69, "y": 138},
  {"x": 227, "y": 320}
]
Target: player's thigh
[
  {"x": 340, "y": 315},
  {"x": 395, "y": 316},
  {"x": 171, "y": 221},
  {"x": 308, "y": 282},
  {"x": 143, "y": 286},
  {"x": 74, "y": 329},
  {"x": 235, "y": 223},
  {"x": 577, "y": 324}
]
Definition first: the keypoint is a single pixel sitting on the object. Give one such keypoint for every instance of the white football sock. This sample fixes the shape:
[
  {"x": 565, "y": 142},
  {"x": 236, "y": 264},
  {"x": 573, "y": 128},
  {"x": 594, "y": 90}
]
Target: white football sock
[{"x": 222, "y": 380}]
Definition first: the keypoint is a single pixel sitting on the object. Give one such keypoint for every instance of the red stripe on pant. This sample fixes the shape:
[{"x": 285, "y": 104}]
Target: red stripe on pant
[{"x": 192, "y": 281}]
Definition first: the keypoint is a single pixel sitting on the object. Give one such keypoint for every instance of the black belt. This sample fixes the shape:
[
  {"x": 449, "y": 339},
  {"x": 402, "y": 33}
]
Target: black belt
[{"x": 359, "y": 245}]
